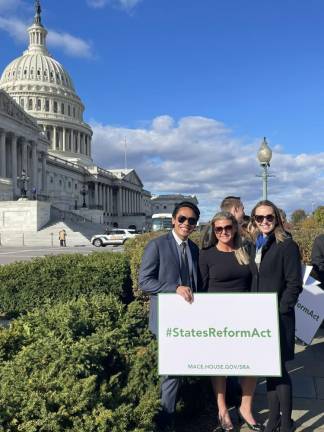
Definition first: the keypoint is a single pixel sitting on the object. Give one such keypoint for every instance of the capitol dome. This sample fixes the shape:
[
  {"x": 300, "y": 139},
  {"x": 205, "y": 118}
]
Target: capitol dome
[{"x": 42, "y": 86}]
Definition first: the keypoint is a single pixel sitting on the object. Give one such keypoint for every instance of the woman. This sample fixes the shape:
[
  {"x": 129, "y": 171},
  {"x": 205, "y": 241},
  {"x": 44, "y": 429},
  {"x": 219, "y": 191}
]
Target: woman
[
  {"x": 224, "y": 267},
  {"x": 276, "y": 267}
]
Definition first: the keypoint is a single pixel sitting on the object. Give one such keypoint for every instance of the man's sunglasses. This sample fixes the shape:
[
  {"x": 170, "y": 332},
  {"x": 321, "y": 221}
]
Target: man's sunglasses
[
  {"x": 191, "y": 221},
  {"x": 226, "y": 228},
  {"x": 260, "y": 218}
]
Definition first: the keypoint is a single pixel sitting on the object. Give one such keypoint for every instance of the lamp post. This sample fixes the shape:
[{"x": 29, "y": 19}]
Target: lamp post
[
  {"x": 84, "y": 192},
  {"x": 24, "y": 179},
  {"x": 264, "y": 156}
]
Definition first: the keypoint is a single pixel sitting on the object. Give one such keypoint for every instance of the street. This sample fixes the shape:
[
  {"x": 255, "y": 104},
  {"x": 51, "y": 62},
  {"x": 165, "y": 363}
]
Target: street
[{"x": 10, "y": 254}]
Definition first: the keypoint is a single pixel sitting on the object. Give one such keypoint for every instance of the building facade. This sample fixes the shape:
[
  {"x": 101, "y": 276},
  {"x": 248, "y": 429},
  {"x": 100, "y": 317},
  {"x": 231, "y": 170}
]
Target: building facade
[{"x": 43, "y": 136}]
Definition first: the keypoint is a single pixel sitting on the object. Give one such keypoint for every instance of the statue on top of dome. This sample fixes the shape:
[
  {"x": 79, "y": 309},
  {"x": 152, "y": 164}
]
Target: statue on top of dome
[{"x": 38, "y": 11}]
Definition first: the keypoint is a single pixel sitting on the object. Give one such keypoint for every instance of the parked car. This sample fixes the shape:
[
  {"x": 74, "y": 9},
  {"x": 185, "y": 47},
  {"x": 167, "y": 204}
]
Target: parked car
[{"x": 116, "y": 236}]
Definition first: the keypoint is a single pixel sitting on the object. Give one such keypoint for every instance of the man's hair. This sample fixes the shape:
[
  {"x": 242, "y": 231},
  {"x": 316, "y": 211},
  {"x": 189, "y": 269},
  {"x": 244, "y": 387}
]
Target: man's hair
[
  {"x": 229, "y": 202},
  {"x": 188, "y": 204}
]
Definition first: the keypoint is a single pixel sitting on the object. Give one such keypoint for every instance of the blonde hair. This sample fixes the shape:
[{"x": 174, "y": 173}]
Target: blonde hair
[{"x": 209, "y": 238}]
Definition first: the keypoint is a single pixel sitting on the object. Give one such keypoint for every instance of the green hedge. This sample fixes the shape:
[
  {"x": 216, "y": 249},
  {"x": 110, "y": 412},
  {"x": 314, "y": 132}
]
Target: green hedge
[
  {"x": 88, "y": 365},
  {"x": 25, "y": 285}
]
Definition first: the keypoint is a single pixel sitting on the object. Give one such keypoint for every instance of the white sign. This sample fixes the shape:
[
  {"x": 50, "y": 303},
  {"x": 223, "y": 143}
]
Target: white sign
[
  {"x": 309, "y": 308},
  {"x": 219, "y": 334}
]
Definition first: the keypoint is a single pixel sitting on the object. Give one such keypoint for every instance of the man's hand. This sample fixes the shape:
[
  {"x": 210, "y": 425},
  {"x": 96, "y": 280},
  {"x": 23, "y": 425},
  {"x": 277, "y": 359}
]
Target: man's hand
[{"x": 185, "y": 292}]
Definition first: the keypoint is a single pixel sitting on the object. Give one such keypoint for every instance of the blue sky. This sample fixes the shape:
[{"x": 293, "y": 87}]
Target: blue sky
[{"x": 194, "y": 86}]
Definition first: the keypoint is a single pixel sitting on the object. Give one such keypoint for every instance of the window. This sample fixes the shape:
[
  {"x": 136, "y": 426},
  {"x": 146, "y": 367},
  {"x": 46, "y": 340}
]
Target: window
[
  {"x": 39, "y": 104},
  {"x": 62, "y": 108},
  {"x": 55, "y": 107},
  {"x": 22, "y": 102},
  {"x": 47, "y": 105},
  {"x": 69, "y": 185},
  {"x": 69, "y": 110},
  {"x": 30, "y": 104},
  {"x": 74, "y": 112},
  {"x": 51, "y": 180},
  {"x": 60, "y": 182},
  {"x": 76, "y": 186}
]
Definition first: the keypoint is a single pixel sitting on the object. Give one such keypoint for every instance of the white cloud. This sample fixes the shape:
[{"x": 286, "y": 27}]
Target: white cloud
[
  {"x": 68, "y": 43},
  {"x": 199, "y": 155},
  {"x": 14, "y": 27},
  {"x": 126, "y": 5}
]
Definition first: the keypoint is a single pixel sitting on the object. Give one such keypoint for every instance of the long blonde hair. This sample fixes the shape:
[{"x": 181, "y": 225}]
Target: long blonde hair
[{"x": 209, "y": 238}]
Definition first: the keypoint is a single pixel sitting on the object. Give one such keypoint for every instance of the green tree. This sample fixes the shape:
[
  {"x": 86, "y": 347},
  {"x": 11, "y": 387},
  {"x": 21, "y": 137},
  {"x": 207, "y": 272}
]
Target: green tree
[
  {"x": 319, "y": 215},
  {"x": 298, "y": 216}
]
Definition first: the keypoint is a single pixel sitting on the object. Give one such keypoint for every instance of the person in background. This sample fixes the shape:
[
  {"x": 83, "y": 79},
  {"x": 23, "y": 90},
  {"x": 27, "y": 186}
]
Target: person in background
[
  {"x": 317, "y": 258},
  {"x": 233, "y": 205},
  {"x": 276, "y": 267},
  {"x": 224, "y": 267},
  {"x": 62, "y": 237},
  {"x": 170, "y": 265}
]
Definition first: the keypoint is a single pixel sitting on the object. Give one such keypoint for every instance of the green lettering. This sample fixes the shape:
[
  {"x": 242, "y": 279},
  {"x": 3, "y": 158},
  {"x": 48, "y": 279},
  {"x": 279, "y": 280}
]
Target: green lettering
[
  {"x": 198, "y": 333},
  {"x": 211, "y": 332},
  {"x": 255, "y": 333},
  {"x": 175, "y": 332}
]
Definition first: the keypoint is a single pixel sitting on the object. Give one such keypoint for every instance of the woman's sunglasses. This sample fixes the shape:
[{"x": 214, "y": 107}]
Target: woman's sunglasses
[
  {"x": 220, "y": 229},
  {"x": 260, "y": 218}
]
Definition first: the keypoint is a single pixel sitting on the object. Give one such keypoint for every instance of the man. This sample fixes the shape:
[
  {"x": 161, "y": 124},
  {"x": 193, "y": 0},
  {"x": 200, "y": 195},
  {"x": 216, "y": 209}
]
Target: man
[
  {"x": 233, "y": 205},
  {"x": 318, "y": 259},
  {"x": 170, "y": 264}
]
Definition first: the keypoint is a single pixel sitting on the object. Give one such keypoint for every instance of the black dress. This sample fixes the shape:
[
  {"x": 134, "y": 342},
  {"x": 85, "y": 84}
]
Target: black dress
[
  {"x": 280, "y": 272},
  {"x": 220, "y": 272}
]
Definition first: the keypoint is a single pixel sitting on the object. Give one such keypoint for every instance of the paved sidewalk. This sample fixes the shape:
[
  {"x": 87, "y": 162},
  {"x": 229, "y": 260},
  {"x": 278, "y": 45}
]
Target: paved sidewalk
[{"x": 307, "y": 373}]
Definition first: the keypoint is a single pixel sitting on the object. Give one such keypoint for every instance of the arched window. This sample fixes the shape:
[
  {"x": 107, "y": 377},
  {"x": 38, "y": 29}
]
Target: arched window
[
  {"x": 39, "y": 104},
  {"x": 30, "y": 104},
  {"x": 22, "y": 102},
  {"x": 55, "y": 107}
]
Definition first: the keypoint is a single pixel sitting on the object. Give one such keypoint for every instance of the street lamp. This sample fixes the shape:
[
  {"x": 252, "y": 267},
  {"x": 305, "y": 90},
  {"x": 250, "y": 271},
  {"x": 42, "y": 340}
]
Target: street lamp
[
  {"x": 24, "y": 179},
  {"x": 264, "y": 156},
  {"x": 84, "y": 192}
]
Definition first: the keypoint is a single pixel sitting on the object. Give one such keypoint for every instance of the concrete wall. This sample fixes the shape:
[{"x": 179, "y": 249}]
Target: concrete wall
[{"x": 23, "y": 215}]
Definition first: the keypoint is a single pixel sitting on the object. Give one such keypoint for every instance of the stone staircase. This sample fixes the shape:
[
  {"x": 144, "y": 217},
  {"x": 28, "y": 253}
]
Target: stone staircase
[{"x": 78, "y": 234}]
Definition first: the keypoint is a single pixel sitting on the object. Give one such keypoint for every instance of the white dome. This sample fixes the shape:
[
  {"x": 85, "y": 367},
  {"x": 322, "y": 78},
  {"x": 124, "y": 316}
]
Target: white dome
[
  {"x": 36, "y": 68},
  {"x": 45, "y": 90}
]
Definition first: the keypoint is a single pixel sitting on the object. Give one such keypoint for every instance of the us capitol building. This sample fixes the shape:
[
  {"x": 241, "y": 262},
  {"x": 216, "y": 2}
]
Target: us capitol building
[{"x": 46, "y": 146}]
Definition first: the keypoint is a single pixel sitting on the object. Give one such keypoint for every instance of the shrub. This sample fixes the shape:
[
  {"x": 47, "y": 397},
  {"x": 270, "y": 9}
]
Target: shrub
[
  {"x": 88, "y": 365},
  {"x": 25, "y": 285}
]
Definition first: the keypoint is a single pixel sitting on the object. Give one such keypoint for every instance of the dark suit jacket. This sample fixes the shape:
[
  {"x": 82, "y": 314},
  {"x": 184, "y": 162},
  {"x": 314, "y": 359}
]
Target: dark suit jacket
[
  {"x": 160, "y": 271},
  {"x": 280, "y": 272},
  {"x": 318, "y": 259}
]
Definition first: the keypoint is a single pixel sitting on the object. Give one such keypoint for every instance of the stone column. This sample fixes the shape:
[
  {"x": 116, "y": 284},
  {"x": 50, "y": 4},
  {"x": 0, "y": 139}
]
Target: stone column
[
  {"x": 44, "y": 178},
  {"x": 72, "y": 140},
  {"x": 34, "y": 166},
  {"x": 54, "y": 138},
  {"x": 24, "y": 155},
  {"x": 3, "y": 154},
  {"x": 111, "y": 199},
  {"x": 119, "y": 202},
  {"x": 63, "y": 141},
  {"x": 79, "y": 142},
  {"x": 105, "y": 198},
  {"x": 96, "y": 194},
  {"x": 14, "y": 164}
]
